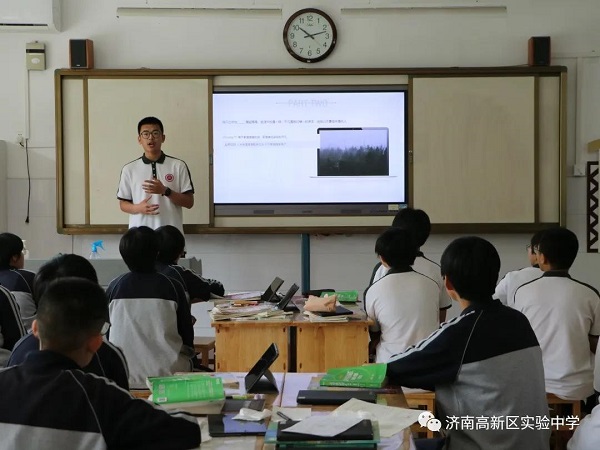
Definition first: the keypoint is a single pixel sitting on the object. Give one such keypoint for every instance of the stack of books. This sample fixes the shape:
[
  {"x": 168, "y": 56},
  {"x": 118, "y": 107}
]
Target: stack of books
[
  {"x": 316, "y": 318},
  {"x": 229, "y": 311}
]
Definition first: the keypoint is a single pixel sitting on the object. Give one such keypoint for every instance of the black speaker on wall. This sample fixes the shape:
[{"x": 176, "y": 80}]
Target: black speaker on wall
[
  {"x": 81, "y": 54},
  {"x": 539, "y": 51}
]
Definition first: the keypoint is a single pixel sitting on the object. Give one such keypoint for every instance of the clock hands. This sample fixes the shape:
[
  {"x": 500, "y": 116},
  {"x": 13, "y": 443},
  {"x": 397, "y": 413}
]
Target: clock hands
[
  {"x": 315, "y": 34},
  {"x": 307, "y": 34}
]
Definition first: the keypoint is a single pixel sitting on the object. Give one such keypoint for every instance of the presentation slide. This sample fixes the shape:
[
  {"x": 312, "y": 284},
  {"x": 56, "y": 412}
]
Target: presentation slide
[{"x": 309, "y": 147}]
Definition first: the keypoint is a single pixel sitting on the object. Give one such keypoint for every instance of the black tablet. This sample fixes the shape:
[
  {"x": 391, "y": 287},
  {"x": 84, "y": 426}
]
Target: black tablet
[
  {"x": 285, "y": 301},
  {"x": 223, "y": 425},
  {"x": 270, "y": 295},
  {"x": 260, "y": 380},
  {"x": 325, "y": 397}
]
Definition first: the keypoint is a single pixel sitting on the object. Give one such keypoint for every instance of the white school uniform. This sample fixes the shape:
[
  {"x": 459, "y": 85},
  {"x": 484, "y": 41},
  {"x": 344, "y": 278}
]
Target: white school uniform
[
  {"x": 405, "y": 307},
  {"x": 563, "y": 312},
  {"x": 505, "y": 290}
]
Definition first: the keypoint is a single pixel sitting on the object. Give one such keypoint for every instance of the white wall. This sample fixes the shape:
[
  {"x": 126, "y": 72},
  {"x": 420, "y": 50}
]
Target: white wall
[{"x": 226, "y": 40}]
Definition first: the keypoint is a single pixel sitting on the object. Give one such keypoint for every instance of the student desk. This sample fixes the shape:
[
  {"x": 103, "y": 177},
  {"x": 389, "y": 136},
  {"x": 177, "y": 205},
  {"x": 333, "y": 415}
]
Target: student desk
[
  {"x": 304, "y": 346},
  {"x": 295, "y": 382}
]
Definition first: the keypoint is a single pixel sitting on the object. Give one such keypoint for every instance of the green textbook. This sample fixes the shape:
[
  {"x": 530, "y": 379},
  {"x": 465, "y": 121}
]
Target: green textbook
[
  {"x": 343, "y": 296},
  {"x": 367, "y": 376},
  {"x": 186, "y": 388}
]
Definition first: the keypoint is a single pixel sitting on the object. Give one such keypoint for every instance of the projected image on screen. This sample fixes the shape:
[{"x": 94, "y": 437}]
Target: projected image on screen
[{"x": 353, "y": 152}]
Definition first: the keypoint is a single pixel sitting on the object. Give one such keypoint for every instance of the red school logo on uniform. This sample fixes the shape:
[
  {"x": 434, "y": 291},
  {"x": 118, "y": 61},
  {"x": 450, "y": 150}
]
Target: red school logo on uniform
[{"x": 169, "y": 177}]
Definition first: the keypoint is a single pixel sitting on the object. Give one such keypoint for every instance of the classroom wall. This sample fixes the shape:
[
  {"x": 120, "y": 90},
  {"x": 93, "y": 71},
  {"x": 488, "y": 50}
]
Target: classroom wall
[{"x": 242, "y": 40}]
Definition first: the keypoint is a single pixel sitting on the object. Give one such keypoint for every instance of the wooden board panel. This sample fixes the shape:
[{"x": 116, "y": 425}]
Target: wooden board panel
[
  {"x": 239, "y": 345},
  {"x": 321, "y": 346},
  {"x": 474, "y": 149}
]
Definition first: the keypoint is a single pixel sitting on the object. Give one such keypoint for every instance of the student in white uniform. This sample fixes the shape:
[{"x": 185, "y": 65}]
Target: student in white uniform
[
  {"x": 587, "y": 434},
  {"x": 154, "y": 188},
  {"x": 404, "y": 304},
  {"x": 417, "y": 221},
  {"x": 505, "y": 290},
  {"x": 565, "y": 315}
]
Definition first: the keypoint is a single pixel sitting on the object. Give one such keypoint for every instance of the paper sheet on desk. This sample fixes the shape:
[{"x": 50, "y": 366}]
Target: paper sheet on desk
[
  {"x": 391, "y": 419},
  {"x": 329, "y": 425}
]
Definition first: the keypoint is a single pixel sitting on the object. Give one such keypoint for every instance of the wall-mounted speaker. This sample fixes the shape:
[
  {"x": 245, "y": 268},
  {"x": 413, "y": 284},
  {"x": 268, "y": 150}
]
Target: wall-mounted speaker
[
  {"x": 539, "y": 51},
  {"x": 81, "y": 54}
]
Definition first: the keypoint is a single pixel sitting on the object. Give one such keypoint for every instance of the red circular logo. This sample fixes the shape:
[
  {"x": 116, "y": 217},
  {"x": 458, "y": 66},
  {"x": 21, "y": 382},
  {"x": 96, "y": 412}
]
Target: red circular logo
[{"x": 169, "y": 177}]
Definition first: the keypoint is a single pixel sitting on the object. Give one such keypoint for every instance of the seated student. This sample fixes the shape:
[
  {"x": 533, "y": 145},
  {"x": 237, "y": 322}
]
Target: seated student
[
  {"x": 417, "y": 221},
  {"x": 108, "y": 361},
  {"x": 14, "y": 278},
  {"x": 149, "y": 313},
  {"x": 587, "y": 434},
  {"x": 486, "y": 362},
  {"x": 171, "y": 246},
  {"x": 48, "y": 402},
  {"x": 11, "y": 326},
  {"x": 404, "y": 304},
  {"x": 565, "y": 315},
  {"x": 505, "y": 291}
]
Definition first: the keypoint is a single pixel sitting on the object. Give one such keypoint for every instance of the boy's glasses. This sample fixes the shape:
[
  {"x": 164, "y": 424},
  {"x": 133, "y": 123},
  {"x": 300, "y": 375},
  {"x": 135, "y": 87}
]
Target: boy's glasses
[{"x": 155, "y": 134}]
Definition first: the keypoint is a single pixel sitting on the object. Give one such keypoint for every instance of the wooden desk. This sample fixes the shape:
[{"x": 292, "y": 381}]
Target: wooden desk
[
  {"x": 321, "y": 346},
  {"x": 295, "y": 382},
  {"x": 239, "y": 345},
  {"x": 304, "y": 346}
]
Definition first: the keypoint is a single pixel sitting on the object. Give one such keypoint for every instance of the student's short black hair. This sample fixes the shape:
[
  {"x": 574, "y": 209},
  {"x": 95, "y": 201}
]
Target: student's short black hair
[
  {"x": 62, "y": 266},
  {"x": 171, "y": 244},
  {"x": 139, "y": 248},
  {"x": 150, "y": 121},
  {"x": 535, "y": 239},
  {"x": 415, "y": 220},
  {"x": 559, "y": 246},
  {"x": 69, "y": 312},
  {"x": 10, "y": 245},
  {"x": 397, "y": 247},
  {"x": 472, "y": 265}
]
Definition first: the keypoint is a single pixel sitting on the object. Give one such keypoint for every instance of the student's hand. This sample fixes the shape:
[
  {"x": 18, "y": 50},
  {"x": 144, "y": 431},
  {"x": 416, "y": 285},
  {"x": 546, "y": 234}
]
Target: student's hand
[
  {"x": 150, "y": 209},
  {"x": 154, "y": 186}
]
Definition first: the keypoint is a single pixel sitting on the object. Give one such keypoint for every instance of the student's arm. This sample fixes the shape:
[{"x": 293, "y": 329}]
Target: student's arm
[
  {"x": 432, "y": 361},
  {"x": 144, "y": 207},
  {"x": 200, "y": 288},
  {"x": 185, "y": 328},
  {"x": 155, "y": 186},
  {"x": 135, "y": 423},
  {"x": 501, "y": 290}
]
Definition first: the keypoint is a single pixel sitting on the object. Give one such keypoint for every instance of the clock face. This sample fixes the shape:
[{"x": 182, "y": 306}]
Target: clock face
[{"x": 309, "y": 35}]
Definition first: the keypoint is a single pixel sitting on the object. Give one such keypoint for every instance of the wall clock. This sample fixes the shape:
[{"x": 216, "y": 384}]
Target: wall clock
[{"x": 309, "y": 35}]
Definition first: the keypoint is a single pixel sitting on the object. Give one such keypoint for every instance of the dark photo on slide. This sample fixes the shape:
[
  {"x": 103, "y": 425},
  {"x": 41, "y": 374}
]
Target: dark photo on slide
[{"x": 353, "y": 152}]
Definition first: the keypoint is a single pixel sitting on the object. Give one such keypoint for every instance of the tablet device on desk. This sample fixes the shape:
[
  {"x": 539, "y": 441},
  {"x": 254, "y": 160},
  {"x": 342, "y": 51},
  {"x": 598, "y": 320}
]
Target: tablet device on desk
[
  {"x": 270, "y": 295},
  {"x": 223, "y": 425},
  {"x": 325, "y": 397},
  {"x": 285, "y": 304},
  {"x": 260, "y": 380},
  {"x": 233, "y": 405},
  {"x": 362, "y": 431},
  {"x": 339, "y": 311}
]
